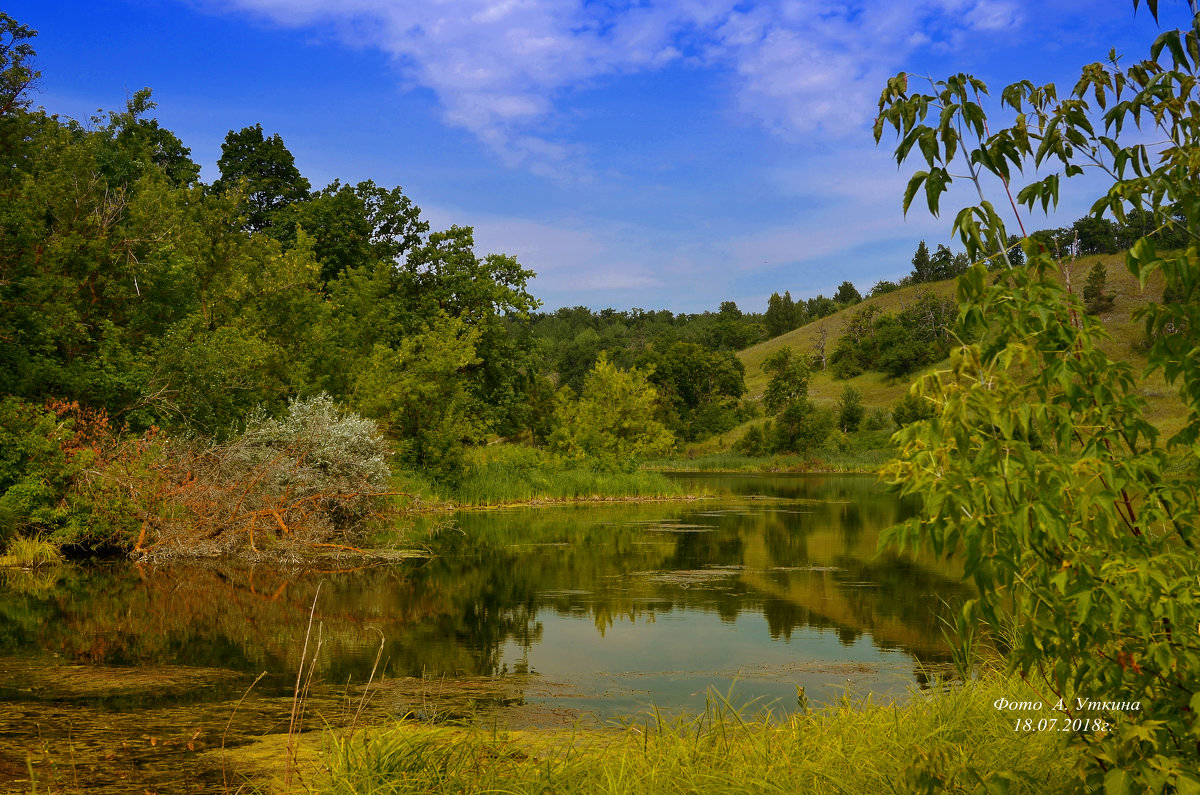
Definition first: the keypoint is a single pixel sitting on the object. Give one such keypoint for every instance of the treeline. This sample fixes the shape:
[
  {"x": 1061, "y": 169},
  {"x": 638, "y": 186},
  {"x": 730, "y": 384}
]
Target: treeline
[
  {"x": 688, "y": 358},
  {"x": 254, "y": 356},
  {"x": 1088, "y": 235}
]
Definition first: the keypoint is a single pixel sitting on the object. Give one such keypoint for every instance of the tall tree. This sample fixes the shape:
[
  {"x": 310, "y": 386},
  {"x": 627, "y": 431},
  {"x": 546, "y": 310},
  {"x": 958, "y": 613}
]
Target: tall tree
[
  {"x": 922, "y": 265},
  {"x": 17, "y": 76},
  {"x": 265, "y": 169}
]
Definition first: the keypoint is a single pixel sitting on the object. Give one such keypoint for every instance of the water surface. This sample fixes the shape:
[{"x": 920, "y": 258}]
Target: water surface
[{"x": 535, "y": 615}]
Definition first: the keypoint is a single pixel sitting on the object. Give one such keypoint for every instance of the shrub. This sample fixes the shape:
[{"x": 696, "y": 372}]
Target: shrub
[
  {"x": 312, "y": 476},
  {"x": 910, "y": 408},
  {"x": 878, "y": 420}
]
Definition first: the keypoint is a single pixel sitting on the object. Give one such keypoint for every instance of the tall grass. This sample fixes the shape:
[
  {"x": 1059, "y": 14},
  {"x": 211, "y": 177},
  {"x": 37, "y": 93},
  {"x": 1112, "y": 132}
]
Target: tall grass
[
  {"x": 952, "y": 740},
  {"x": 29, "y": 552},
  {"x": 506, "y": 474}
]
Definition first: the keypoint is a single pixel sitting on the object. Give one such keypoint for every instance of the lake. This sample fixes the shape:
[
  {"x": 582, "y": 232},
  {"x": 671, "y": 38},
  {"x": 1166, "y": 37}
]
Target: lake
[{"x": 122, "y": 674}]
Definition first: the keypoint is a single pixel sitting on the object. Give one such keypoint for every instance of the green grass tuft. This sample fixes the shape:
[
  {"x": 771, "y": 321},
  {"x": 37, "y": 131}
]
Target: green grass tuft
[{"x": 29, "y": 552}]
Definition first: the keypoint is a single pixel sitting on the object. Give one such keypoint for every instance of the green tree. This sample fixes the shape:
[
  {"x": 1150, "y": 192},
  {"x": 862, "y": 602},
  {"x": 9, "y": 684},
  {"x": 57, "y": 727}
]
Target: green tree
[
  {"x": 850, "y": 409},
  {"x": 701, "y": 388},
  {"x": 1095, "y": 300},
  {"x": 352, "y": 226},
  {"x": 922, "y": 264},
  {"x": 17, "y": 76},
  {"x": 265, "y": 170},
  {"x": 1075, "y": 522},
  {"x": 883, "y": 287},
  {"x": 847, "y": 294},
  {"x": 788, "y": 375},
  {"x": 779, "y": 314},
  {"x": 416, "y": 391},
  {"x": 612, "y": 425}
]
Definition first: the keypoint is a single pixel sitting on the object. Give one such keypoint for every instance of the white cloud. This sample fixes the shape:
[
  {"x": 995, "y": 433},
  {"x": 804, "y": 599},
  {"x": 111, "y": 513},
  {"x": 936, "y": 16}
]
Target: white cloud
[{"x": 499, "y": 68}]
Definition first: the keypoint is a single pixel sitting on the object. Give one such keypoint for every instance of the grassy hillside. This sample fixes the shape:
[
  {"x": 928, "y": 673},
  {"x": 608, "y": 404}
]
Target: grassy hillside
[{"x": 880, "y": 390}]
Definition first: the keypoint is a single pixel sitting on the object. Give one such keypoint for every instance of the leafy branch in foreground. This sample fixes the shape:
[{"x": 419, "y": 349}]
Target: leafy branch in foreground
[{"x": 1039, "y": 468}]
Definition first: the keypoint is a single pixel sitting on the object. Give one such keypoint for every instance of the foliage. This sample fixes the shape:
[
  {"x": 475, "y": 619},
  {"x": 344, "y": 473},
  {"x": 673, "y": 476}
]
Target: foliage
[
  {"x": 896, "y": 343},
  {"x": 612, "y": 424},
  {"x": 789, "y": 374},
  {"x": 265, "y": 173},
  {"x": 850, "y": 409},
  {"x": 883, "y": 287},
  {"x": 878, "y": 420},
  {"x": 35, "y": 472},
  {"x": 313, "y": 476},
  {"x": 1095, "y": 300},
  {"x": 798, "y": 426},
  {"x": 417, "y": 392},
  {"x": 911, "y": 408},
  {"x": 700, "y": 388},
  {"x": 847, "y": 294},
  {"x": 783, "y": 314},
  {"x": 1039, "y": 467}
]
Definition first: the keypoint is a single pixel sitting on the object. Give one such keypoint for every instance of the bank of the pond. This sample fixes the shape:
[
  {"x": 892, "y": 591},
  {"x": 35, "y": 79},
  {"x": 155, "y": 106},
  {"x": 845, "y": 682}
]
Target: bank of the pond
[
  {"x": 512, "y": 475},
  {"x": 850, "y": 462},
  {"x": 952, "y": 740}
]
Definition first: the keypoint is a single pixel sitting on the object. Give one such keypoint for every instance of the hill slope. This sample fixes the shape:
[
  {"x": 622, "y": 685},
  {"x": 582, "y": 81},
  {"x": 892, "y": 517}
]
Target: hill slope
[{"x": 881, "y": 391}]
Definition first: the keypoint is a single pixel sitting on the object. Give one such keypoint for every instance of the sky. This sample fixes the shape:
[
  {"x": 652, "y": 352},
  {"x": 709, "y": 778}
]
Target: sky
[{"x": 661, "y": 154}]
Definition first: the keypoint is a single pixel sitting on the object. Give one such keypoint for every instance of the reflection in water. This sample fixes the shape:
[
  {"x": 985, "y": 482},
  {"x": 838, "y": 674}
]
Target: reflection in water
[{"x": 775, "y": 585}]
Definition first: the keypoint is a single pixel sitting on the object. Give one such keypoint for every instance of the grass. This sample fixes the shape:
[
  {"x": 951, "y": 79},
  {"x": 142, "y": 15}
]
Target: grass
[
  {"x": 506, "y": 474},
  {"x": 941, "y": 741},
  {"x": 864, "y": 451},
  {"x": 30, "y": 552},
  {"x": 1165, "y": 411}
]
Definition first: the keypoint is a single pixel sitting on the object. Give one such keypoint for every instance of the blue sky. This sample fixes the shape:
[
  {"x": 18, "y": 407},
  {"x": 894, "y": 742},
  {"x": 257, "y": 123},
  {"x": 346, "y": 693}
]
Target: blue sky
[{"x": 651, "y": 154}]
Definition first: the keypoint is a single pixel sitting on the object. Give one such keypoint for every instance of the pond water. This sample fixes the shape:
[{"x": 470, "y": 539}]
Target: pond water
[{"x": 119, "y": 672}]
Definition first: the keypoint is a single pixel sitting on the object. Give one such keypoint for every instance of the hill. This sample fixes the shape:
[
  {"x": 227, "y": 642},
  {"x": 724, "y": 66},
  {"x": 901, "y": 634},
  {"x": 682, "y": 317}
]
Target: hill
[{"x": 879, "y": 390}]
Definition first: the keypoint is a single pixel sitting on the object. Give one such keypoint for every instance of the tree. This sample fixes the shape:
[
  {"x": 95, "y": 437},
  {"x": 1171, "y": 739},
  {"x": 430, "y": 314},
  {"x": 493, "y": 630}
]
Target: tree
[
  {"x": 701, "y": 387},
  {"x": 780, "y": 314},
  {"x": 1076, "y": 523},
  {"x": 265, "y": 169},
  {"x": 1094, "y": 297},
  {"x": 847, "y": 295},
  {"x": 882, "y": 287},
  {"x": 418, "y": 395},
  {"x": 135, "y": 144},
  {"x": 612, "y": 424},
  {"x": 922, "y": 264},
  {"x": 788, "y": 384},
  {"x": 17, "y": 76},
  {"x": 798, "y": 427},
  {"x": 352, "y": 226},
  {"x": 850, "y": 409}
]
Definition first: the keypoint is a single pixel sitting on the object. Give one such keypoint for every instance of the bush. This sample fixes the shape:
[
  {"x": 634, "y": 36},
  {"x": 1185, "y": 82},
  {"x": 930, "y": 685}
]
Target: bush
[
  {"x": 312, "y": 476},
  {"x": 878, "y": 420},
  {"x": 910, "y": 409},
  {"x": 755, "y": 440}
]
